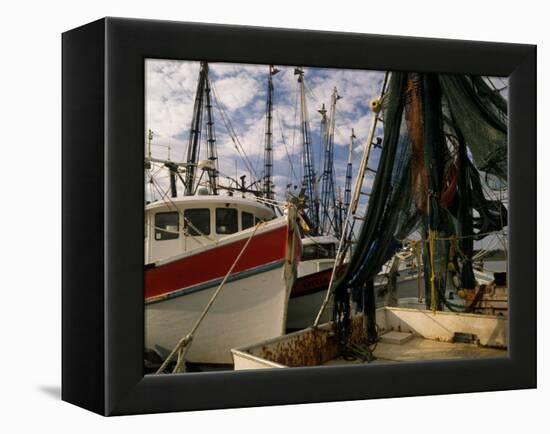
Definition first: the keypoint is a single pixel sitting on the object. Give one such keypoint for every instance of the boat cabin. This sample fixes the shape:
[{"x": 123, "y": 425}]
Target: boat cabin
[
  {"x": 177, "y": 225},
  {"x": 318, "y": 254}
]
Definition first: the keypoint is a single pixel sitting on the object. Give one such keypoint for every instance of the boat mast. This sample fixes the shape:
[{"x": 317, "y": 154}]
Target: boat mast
[
  {"x": 149, "y": 141},
  {"x": 193, "y": 148},
  {"x": 309, "y": 181},
  {"x": 347, "y": 189},
  {"x": 195, "y": 135},
  {"x": 212, "y": 153},
  {"x": 173, "y": 188},
  {"x": 330, "y": 220},
  {"x": 324, "y": 139},
  {"x": 268, "y": 149}
]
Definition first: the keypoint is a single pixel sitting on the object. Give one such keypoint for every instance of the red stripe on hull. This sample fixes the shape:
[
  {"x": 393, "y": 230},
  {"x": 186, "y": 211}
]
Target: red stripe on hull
[
  {"x": 314, "y": 282},
  {"x": 214, "y": 263}
]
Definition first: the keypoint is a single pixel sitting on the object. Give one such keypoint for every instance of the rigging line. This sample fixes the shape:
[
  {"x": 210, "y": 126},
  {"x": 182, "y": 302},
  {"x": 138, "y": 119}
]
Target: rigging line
[
  {"x": 158, "y": 166},
  {"x": 491, "y": 195},
  {"x": 336, "y": 129},
  {"x": 159, "y": 190},
  {"x": 324, "y": 249},
  {"x": 233, "y": 178},
  {"x": 495, "y": 242},
  {"x": 271, "y": 201},
  {"x": 154, "y": 175},
  {"x": 451, "y": 238},
  {"x": 232, "y": 133},
  {"x": 320, "y": 153},
  {"x": 294, "y": 129},
  {"x": 494, "y": 86},
  {"x": 504, "y": 241},
  {"x": 183, "y": 345},
  {"x": 273, "y": 106},
  {"x": 191, "y": 225},
  {"x": 258, "y": 160},
  {"x": 503, "y": 83},
  {"x": 150, "y": 185},
  {"x": 291, "y": 164},
  {"x": 340, "y": 257}
]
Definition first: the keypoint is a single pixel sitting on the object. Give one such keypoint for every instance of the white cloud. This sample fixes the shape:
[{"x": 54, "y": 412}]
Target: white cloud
[
  {"x": 237, "y": 91},
  {"x": 170, "y": 93}
]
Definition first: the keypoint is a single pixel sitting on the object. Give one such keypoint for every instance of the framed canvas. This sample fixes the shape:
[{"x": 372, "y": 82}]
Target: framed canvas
[{"x": 113, "y": 69}]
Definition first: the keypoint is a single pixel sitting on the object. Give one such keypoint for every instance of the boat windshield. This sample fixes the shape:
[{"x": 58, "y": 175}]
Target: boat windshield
[{"x": 318, "y": 251}]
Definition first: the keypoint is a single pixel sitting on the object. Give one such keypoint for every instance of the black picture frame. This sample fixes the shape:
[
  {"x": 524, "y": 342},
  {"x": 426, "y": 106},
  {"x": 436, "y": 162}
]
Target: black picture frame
[{"x": 103, "y": 133}]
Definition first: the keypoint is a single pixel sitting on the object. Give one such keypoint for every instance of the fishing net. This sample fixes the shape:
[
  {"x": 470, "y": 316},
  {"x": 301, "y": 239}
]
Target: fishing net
[{"x": 440, "y": 131}]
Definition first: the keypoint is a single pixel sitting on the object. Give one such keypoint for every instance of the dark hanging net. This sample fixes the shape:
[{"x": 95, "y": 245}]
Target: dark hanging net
[{"x": 439, "y": 132}]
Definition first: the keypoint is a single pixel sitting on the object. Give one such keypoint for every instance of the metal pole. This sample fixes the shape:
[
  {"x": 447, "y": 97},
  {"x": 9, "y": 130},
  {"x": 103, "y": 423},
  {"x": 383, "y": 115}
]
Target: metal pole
[
  {"x": 194, "y": 137},
  {"x": 309, "y": 181},
  {"x": 149, "y": 140},
  {"x": 366, "y": 154},
  {"x": 347, "y": 189},
  {"x": 351, "y": 210},
  {"x": 210, "y": 137},
  {"x": 268, "y": 149}
]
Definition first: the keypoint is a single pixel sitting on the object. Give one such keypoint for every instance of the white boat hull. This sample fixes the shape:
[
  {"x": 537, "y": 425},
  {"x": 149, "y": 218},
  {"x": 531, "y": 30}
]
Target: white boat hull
[
  {"x": 308, "y": 294},
  {"x": 303, "y": 310},
  {"x": 251, "y": 306},
  {"x": 246, "y": 311}
]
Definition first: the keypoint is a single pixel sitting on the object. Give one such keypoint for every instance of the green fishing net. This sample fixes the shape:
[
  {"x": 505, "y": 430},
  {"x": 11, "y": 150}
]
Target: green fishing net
[{"x": 440, "y": 131}]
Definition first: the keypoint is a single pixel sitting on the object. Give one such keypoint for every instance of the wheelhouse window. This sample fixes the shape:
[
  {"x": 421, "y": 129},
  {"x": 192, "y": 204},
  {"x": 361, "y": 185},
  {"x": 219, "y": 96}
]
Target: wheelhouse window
[
  {"x": 318, "y": 251},
  {"x": 197, "y": 221},
  {"x": 226, "y": 221},
  {"x": 247, "y": 220},
  {"x": 166, "y": 226}
]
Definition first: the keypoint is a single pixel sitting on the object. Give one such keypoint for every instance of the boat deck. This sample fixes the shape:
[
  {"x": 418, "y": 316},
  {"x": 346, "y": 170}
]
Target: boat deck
[
  {"x": 406, "y": 335},
  {"x": 423, "y": 349}
]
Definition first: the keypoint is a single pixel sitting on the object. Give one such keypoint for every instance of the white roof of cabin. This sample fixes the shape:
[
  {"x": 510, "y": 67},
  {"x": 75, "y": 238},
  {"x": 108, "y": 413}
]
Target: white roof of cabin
[
  {"x": 321, "y": 239},
  {"x": 207, "y": 200}
]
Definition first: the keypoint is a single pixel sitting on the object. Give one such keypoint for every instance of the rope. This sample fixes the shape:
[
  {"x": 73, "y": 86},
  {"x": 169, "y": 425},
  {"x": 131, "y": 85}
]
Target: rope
[
  {"x": 348, "y": 221},
  {"x": 183, "y": 346},
  {"x": 450, "y": 238},
  {"x": 291, "y": 165},
  {"x": 340, "y": 253},
  {"x": 234, "y": 137},
  {"x": 275, "y": 202},
  {"x": 317, "y": 243},
  {"x": 186, "y": 220},
  {"x": 415, "y": 246},
  {"x": 336, "y": 130},
  {"x": 294, "y": 130}
]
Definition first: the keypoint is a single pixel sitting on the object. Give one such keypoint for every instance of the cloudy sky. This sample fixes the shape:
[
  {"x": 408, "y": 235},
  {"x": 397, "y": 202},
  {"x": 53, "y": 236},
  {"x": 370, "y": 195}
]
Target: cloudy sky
[{"x": 242, "y": 90}]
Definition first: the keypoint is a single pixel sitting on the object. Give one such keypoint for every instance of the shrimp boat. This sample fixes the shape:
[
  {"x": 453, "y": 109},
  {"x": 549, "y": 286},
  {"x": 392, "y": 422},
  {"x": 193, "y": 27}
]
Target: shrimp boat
[
  {"x": 184, "y": 269},
  {"x": 213, "y": 235},
  {"x": 313, "y": 278}
]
